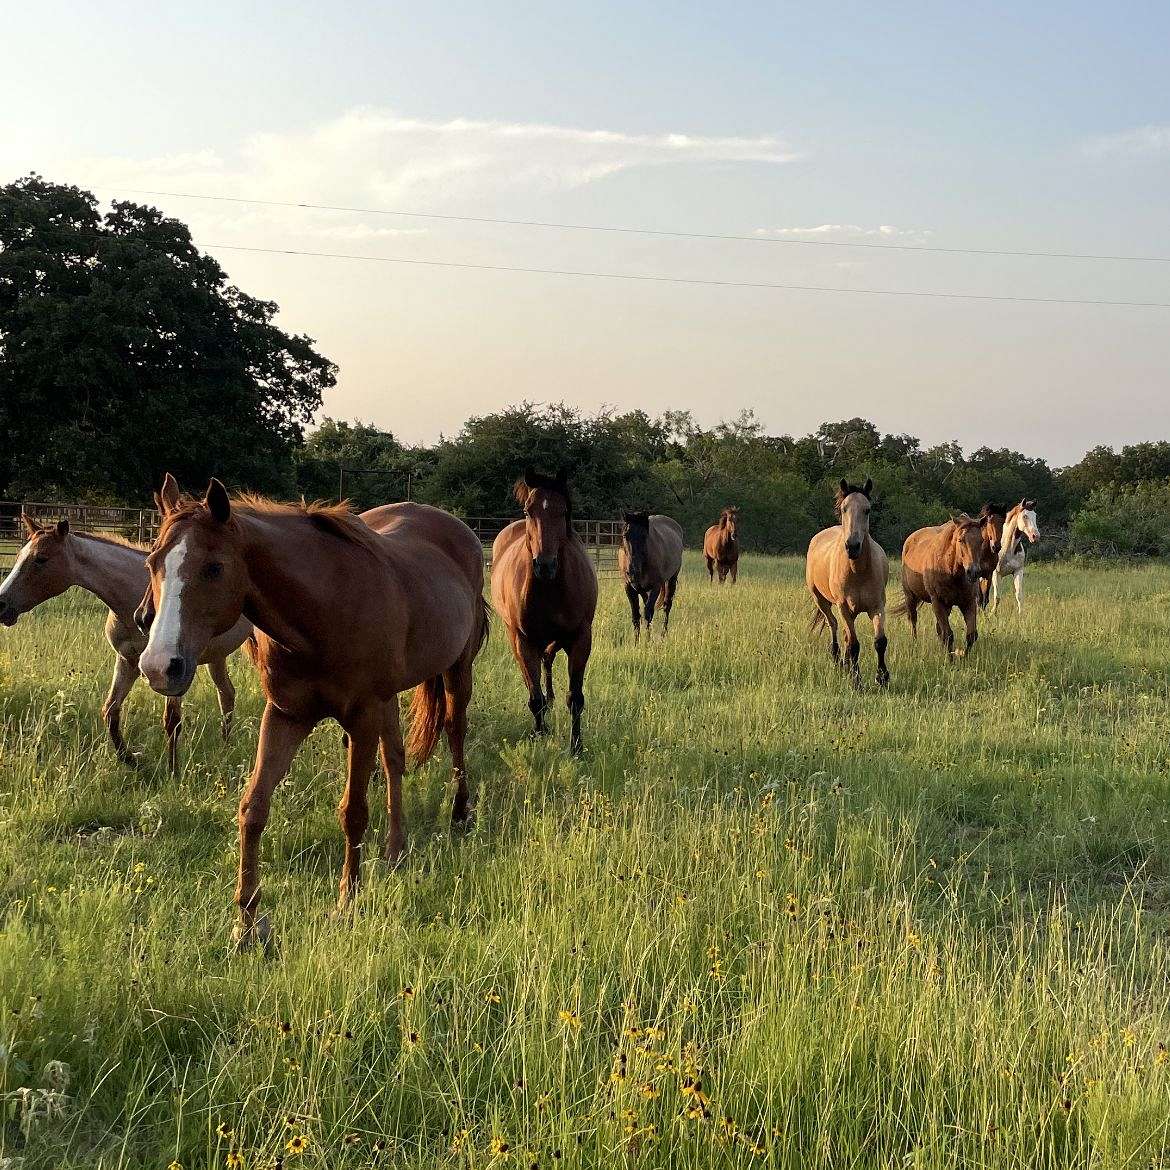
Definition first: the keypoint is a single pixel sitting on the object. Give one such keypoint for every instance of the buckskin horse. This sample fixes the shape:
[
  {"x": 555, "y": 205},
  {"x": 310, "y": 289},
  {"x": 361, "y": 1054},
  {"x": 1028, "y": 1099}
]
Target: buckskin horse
[
  {"x": 650, "y": 560},
  {"x": 56, "y": 558},
  {"x": 544, "y": 587},
  {"x": 847, "y": 568},
  {"x": 348, "y": 612},
  {"x": 721, "y": 546}
]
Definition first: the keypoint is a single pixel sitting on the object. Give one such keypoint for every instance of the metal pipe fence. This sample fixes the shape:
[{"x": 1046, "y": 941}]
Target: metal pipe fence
[{"x": 601, "y": 537}]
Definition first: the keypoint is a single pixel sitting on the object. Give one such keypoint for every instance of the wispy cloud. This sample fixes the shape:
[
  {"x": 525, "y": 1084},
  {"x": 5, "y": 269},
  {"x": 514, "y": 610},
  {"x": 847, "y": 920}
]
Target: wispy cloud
[
  {"x": 843, "y": 232},
  {"x": 1140, "y": 141}
]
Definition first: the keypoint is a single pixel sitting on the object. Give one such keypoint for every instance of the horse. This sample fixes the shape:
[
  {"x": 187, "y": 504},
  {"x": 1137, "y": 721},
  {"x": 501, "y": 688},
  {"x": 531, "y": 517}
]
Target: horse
[
  {"x": 992, "y": 518},
  {"x": 721, "y": 546},
  {"x": 941, "y": 566},
  {"x": 847, "y": 568},
  {"x": 348, "y": 612},
  {"x": 544, "y": 587},
  {"x": 56, "y": 558},
  {"x": 650, "y": 560},
  {"x": 1019, "y": 527}
]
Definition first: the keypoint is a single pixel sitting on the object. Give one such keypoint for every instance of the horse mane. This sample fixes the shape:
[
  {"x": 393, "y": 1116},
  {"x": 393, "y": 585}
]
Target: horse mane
[
  {"x": 111, "y": 538},
  {"x": 990, "y": 510},
  {"x": 640, "y": 519},
  {"x": 730, "y": 511},
  {"x": 842, "y": 494}
]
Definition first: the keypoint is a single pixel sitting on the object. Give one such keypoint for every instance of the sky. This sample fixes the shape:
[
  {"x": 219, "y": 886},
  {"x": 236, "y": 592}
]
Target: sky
[{"x": 1039, "y": 127}]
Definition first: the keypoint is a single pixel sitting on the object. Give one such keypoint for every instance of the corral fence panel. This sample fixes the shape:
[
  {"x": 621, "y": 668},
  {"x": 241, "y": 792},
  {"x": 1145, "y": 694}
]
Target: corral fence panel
[{"x": 601, "y": 537}]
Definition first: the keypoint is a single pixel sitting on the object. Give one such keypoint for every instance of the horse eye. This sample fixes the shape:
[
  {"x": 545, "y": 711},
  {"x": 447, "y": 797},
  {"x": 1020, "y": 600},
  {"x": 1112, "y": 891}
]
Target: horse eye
[
  {"x": 41, "y": 560},
  {"x": 213, "y": 570}
]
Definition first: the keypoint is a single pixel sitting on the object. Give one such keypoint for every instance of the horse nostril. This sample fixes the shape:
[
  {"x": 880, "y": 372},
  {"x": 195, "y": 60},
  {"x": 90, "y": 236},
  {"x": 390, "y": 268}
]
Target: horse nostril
[{"x": 175, "y": 668}]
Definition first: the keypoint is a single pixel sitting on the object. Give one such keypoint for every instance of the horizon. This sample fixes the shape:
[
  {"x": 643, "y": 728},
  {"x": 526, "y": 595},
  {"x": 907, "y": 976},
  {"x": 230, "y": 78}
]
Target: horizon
[{"x": 928, "y": 127}]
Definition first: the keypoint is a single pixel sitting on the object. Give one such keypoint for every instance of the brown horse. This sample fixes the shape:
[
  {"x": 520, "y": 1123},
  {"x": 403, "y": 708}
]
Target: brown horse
[
  {"x": 847, "y": 568},
  {"x": 347, "y": 615},
  {"x": 992, "y": 518},
  {"x": 650, "y": 560},
  {"x": 721, "y": 546},
  {"x": 544, "y": 587},
  {"x": 56, "y": 558},
  {"x": 941, "y": 566}
]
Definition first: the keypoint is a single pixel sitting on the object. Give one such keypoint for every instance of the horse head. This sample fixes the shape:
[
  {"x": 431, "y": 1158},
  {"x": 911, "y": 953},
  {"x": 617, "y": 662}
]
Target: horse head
[
  {"x": 853, "y": 505},
  {"x": 43, "y": 569},
  {"x": 548, "y": 519}
]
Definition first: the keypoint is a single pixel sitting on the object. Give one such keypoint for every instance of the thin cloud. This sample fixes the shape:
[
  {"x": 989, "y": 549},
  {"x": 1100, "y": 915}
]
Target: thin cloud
[
  {"x": 842, "y": 231},
  {"x": 1142, "y": 141}
]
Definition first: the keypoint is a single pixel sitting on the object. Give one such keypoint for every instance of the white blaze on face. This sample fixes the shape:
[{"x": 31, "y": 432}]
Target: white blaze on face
[
  {"x": 163, "y": 644},
  {"x": 22, "y": 559},
  {"x": 1030, "y": 526}
]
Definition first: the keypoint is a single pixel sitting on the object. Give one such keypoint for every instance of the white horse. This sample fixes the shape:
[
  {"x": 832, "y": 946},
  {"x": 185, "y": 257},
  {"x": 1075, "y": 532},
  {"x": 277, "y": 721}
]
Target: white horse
[{"x": 1019, "y": 527}]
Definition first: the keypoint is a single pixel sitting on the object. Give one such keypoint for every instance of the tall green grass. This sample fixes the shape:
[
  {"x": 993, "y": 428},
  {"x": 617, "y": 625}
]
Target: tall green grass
[{"x": 767, "y": 920}]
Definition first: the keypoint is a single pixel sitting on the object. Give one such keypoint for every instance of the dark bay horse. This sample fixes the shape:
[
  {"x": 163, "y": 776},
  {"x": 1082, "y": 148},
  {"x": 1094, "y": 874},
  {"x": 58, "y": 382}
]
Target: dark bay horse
[
  {"x": 650, "y": 560},
  {"x": 721, "y": 546},
  {"x": 56, "y": 558},
  {"x": 348, "y": 613},
  {"x": 544, "y": 587},
  {"x": 847, "y": 568},
  {"x": 941, "y": 566},
  {"x": 992, "y": 518}
]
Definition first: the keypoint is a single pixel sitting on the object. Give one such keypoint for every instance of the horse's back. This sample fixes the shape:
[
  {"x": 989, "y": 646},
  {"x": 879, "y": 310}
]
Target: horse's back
[
  {"x": 920, "y": 548},
  {"x": 420, "y": 529},
  {"x": 666, "y": 538}
]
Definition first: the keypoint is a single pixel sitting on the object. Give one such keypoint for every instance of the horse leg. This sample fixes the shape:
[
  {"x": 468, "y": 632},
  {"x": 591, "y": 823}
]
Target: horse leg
[
  {"x": 912, "y": 604},
  {"x": 635, "y": 610},
  {"x": 393, "y": 767},
  {"x": 994, "y": 591},
  {"x": 880, "y": 642},
  {"x": 280, "y": 737},
  {"x": 942, "y": 621},
  {"x": 984, "y": 587},
  {"x": 649, "y": 600},
  {"x": 218, "y": 669},
  {"x": 125, "y": 674},
  {"x": 970, "y": 618},
  {"x": 711, "y": 570},
  {"x": 354, "y": 810},
  {"x": 457, "y": 684},
  {"x": 530, "y": 659},
  {"x": 734, "y": 572},
  {"x": 549, "y": 655},
  {"x": 172, "y": 725},
  {"x": 578, "y": 653},
  {"x": 1018, "y": 582},
  {"x": 668, "y": 591},
  {"x": 852, "y": 645},
  {"x": 826, "y": 608}
]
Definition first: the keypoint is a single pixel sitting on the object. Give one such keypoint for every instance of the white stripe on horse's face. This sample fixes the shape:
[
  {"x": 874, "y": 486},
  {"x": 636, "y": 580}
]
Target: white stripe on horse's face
[
  {"x": 1029, "y": 525},
  {"x": 166, "y": 629},
  {"x": 22, "y": 559}
]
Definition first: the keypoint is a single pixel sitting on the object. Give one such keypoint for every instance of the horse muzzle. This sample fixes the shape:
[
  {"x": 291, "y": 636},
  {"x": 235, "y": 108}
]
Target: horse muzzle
[
  {"x": 544, "y": 568},
  {"x": 168, "y": 674},
  {"x": 8, "y": 613},
  {"x": 853, "y": 549}
]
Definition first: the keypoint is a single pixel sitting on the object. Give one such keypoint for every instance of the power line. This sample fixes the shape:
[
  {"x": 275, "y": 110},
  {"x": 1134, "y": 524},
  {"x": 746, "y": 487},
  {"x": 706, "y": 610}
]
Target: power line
[
  {"x": 637, "y": 231},
  {"x": 653, "y": 278}
]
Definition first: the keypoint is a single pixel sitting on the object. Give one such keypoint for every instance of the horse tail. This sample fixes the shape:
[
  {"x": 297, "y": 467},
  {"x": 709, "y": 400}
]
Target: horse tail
[
  {"x": 901, "y": 608},
  {"x": 485, "y": 628},
  {"x": 428, "y": 708},
  {"x": 819, "y": 622}
]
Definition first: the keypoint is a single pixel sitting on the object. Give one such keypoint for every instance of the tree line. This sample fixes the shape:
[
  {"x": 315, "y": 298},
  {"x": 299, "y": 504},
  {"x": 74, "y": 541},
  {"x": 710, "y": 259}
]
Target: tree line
[{"x": 125, "y": 353}]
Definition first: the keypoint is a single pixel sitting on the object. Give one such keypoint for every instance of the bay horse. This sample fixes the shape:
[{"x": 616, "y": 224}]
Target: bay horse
[
  {"x": 544, "y": 587},
  {"x": 941, "y": 566},
  {"x": 1021, "y": 526},
  {"x": 721, "y": 546},
  {"x": 847, "y": 568},
  {"x": 348, "y": 612},
  {"x": 650, "y": 560},
  {"x": 992, "y": 518},
  {"x": 55, "y": 558}
]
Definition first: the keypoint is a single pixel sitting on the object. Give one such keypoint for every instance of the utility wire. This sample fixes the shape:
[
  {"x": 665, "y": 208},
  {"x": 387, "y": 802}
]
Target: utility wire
[
  {"x": 634, "y": 231},
  {"x": 882, "y": 292}
]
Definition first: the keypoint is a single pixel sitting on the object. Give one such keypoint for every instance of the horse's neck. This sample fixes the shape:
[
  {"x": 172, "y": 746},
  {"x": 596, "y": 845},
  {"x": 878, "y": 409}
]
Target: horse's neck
[{"x": 116, "y": 573}]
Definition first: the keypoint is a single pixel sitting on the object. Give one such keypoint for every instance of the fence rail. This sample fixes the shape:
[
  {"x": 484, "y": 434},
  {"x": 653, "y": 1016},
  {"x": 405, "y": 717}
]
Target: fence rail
[{"x": 601, "y": 537}]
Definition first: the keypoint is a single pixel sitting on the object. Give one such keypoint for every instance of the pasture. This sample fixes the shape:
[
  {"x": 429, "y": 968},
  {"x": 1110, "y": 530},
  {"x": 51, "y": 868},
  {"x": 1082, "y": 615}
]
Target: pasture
[{"x": 765, "y": 921}]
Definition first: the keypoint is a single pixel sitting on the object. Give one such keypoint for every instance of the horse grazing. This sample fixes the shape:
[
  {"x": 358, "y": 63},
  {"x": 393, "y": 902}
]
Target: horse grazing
[
  {"x": 847, "y": 568},
  {"x": 348, "y": 612},
  {"x": 544, "y": 587},
  {"x": 650, "y": 560},
  {"x": 721, "y": 546},
  {"x": 991, "y": 520},
  {"x": 56, "y": 558},
  {"x": 941, "y": 567},
  {"x": 1020, "y": 527}
]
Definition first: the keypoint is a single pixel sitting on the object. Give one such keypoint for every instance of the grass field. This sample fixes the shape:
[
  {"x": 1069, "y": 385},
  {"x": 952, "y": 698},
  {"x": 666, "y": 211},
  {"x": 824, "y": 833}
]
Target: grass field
[{"x": 767, "y": 921}]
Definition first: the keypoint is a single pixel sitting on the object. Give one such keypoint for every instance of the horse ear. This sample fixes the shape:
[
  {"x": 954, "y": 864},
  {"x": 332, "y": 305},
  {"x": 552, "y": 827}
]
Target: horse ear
[
  {"x": 868, "y": 487},
  {"x": 844, "y": 487},
  {"x": 62, "y": 527},
  {"x": 169, "y": 496},
  {"x": 217, "y": 502},
  {"x": 30, "y": 525},
  {"x": 528, "y": 477},
  {"x": 1029, "y": 505}
]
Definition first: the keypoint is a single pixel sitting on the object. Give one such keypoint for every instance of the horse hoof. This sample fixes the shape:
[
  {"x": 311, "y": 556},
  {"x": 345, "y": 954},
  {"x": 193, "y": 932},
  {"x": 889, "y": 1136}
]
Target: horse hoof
[
  {"x": 260, "y": 934},
  {"x": 883, "y": 680},
  {"x": 393, "y": 852},
  {"x": 129, "y": 759},
  {"x": 462, "y": 821}
]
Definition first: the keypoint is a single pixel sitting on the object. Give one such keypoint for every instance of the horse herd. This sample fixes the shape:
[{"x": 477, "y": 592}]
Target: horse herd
[{"x": 340, "y": 613}]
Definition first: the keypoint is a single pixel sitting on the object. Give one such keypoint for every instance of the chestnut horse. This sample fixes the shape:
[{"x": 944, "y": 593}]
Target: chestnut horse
[
  {"x": 544, "y": 587},
  {"x": 1021, "y": 526},
  {"x": 56, "y": 558},
  {"x": 650, "y": 560},
  {"x": 721, "y": 546},
  {"x": 847, "y": 568},
  {"x": 992, "y": 518},
  {"x": 941, "y": 566},
  {"x": 348, "y": 612}
]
